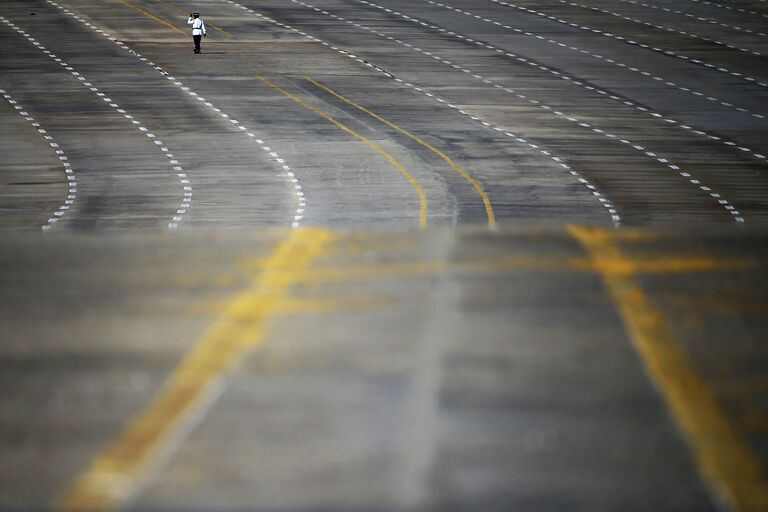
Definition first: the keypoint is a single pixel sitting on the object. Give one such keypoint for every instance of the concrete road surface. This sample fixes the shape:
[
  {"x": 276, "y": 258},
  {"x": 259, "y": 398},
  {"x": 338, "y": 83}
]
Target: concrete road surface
[{"x": 384, "y": 255}]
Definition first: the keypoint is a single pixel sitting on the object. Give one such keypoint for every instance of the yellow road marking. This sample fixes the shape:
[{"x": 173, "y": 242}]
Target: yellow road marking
[
  {"x": 179, "y": 9},
  {"x": 391, "y": 159},
  {"x": 118, "y": 471},
  {"x": 149, "y": 15},
  {"x": 646, "y": 264},
  {"x": 722, "y": 455},
  {"x": 467, "y": 176}
]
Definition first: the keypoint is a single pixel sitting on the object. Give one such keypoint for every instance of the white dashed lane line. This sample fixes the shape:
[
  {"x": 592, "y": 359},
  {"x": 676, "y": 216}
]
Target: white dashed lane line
[
  {"x": 730, "y": 8},
  {"x": 711, "y": 21},
  {"x": 183, "y": 179},
  {"x": 285, "y": 168},
  {"x": 666, "y": 162},
  {"x": 628, "y": 67},
  {"x": 604, "y": 201},
  {"x": 562, "y": 76},
  {"x": 661, "y": 27},
  {"x": 676, "y": 55},
  {"x": 68, "y": 171}
]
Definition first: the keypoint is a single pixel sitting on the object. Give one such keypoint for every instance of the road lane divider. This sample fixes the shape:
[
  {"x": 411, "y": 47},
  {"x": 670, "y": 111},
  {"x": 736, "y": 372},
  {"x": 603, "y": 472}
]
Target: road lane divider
[
  {"x": 378, "y": 149},
  {"x": 662, "y": 27},
  {"x": 547, "y": 153},
  {"x": 645, "y": 152},
  {"x": 116, "y": 475},
  {"x": 603, "y": 58},
  {"x": 697, "y": 18},
  {"x": 68, "y": 171},
  {"x": 623, "y": 100},
  {"x": 632, "y": 42},
  {"x": 184, "y": 181},
  {"x": 722, "y": 455},
  {"x": 252, "y": 135},
  {"x": 463, "y": 172}
]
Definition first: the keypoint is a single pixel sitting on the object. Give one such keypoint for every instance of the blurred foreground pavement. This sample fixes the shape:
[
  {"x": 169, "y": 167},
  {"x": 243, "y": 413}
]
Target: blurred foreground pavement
[{"x": 526, "y": 369}]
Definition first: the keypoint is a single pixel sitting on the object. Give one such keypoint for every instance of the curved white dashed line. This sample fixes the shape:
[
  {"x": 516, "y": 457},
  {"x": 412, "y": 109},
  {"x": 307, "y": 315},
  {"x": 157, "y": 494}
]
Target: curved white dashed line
[
  {"x": 669, "y": 53},
  {"x": 604, "y": 201},
  {"x": 592, "y": 89},
  {"x": 730, "y": 8},
  {"x": 662, "y": 27},
  {"x": 622, "y": 65},
  {"x": 183, "y": 179},
  {"x": 711, "y": 21},
  {"x": 273, "y": 155},
  {"x": 551, "y": 110},
  {"x": 68, "y": 171}
]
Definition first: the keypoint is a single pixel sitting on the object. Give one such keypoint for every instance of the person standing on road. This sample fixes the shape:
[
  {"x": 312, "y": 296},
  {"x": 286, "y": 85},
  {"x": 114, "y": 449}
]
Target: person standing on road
[{"x": 198, "y": 29}]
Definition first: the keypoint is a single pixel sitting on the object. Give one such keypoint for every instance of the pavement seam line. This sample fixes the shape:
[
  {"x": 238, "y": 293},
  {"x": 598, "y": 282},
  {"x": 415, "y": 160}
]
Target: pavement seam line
[
  {"x": 116, "y": 474},
  {"x": 722, "y": 456},
  {"x": 152, "y": 16},
  {"x": 184, "y": 181},
  {"x": 463, "y": 172},
  {"x": 383, "y": 152},
  {"x": 68, "y": 171},
  {"x": 665, "y": 162},
  {"x": 273, "y": 155}
]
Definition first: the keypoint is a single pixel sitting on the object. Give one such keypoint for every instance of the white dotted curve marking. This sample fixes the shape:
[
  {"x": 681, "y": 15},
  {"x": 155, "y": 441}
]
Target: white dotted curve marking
[
  {"x": 273, "y": 155},
  {"x": 551, "y": 110},
  {"x": 662, "y": 27},
  {"x": 562, "y": 76},
  {"x": 731, "y": 8},
  {"x": 669, "y": 53},
  {"x": 615, "y": 217},
  {"x": 711, "y": 21},
  {"x": 68, "y": 171},
  {"x": 184, "y": 180},
  {"x": 622, "y": 65}
]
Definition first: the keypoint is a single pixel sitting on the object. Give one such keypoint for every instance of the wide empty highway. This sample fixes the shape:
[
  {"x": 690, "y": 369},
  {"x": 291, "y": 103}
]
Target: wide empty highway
[{"x": 384, "y": 255}]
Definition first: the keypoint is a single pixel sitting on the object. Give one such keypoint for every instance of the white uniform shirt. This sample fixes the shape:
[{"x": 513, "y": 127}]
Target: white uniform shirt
[{"x": 198, "y": 27}]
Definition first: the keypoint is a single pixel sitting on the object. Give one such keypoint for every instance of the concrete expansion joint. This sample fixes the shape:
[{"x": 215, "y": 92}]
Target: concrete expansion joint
[
  {"x": 286, "y": 170},
  {"x": 69, "y": 172}
]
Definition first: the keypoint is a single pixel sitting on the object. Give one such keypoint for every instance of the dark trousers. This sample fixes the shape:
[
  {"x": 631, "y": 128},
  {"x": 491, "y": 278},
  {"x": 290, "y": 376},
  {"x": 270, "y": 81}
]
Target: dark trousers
[{"x": 196, "y": 39}]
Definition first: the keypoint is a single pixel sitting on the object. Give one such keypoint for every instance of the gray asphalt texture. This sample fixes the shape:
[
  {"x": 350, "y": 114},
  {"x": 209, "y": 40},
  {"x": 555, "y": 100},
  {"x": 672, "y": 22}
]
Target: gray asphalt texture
[{"x": 454, "y": 347}]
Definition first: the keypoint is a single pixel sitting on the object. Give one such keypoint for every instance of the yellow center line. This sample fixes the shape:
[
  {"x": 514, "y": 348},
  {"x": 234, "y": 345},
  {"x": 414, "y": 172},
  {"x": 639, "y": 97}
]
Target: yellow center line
[
  {"x": 179, "y": 9},
  {"x": 486, "y": 201},
  {"x": 150, "y": 15},
  {"x": 391, "y": 159},
  {"x": 722, "y": 455},
  {"x": 116, "y": 474}
]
